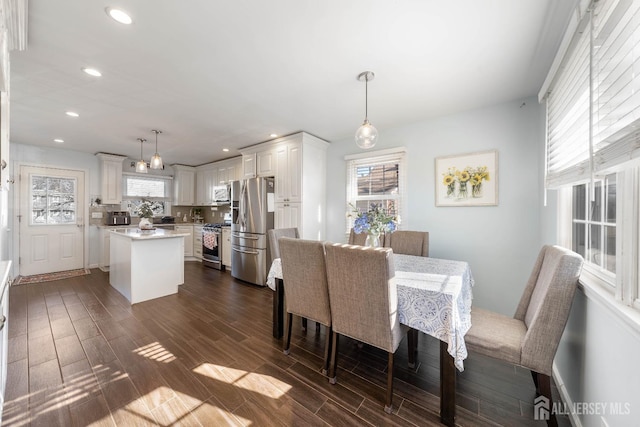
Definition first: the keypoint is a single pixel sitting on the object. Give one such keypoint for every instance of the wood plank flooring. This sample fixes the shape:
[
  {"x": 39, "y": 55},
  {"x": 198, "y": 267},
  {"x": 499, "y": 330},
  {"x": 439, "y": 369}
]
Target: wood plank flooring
[{"x": 80, "y": 354}]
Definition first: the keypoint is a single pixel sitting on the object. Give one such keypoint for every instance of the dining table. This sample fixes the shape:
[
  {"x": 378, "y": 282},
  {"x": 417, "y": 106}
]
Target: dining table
[{"x": 434, "y": 297}]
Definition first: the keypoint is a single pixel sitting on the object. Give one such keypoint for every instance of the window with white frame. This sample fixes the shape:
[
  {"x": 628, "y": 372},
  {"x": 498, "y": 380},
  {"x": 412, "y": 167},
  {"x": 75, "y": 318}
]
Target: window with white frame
[
  {"x": 376, "y": 178},
  {"x": 155, "y": 189},
  {"x": 593, "y": 111}
]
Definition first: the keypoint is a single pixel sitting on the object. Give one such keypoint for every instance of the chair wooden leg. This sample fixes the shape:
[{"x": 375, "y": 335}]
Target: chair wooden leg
[
  {"x": 534, "y": 375},
  {"x": 333, "y": 365},
  {"x": 317, "y": 328},
  {"x": 304, "y": 324},
  {"x": 327, "y": 350},
  {"x": 287, "y": 339},
  {"x": 544, "y": 383},
  {"x": 388, "y": 407},
  {"x": 412, "y": 341}
]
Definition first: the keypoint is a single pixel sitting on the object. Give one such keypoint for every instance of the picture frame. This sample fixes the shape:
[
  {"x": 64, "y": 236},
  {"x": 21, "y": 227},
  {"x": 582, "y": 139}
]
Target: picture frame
[{"x": 467, "y": 179}]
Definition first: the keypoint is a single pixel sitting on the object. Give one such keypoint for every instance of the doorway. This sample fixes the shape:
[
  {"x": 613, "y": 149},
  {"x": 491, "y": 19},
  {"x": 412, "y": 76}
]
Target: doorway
[{"x": 51, "y": 220}]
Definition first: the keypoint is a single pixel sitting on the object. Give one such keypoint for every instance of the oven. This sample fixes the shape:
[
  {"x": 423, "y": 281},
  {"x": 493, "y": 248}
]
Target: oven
[{"x": 212, "y": 246}]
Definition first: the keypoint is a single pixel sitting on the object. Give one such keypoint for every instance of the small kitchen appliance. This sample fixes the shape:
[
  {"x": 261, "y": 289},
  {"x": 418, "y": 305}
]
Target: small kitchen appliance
[{"x": 118, "y": 218}]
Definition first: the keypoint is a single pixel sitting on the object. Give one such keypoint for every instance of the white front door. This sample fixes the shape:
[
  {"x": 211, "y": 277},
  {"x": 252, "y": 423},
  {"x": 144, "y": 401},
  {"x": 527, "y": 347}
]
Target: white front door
[{"x": 51, "y": 221}]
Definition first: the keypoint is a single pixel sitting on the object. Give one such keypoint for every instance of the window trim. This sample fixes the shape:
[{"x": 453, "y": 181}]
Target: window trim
[{"x": 370, "y": 157}]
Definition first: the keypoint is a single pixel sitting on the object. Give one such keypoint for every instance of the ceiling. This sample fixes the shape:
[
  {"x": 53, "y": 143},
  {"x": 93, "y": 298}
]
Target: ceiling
[{"x": 227, "y": 74}]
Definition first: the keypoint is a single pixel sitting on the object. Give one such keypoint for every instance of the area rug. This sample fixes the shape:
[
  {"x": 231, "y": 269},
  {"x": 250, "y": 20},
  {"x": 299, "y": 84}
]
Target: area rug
[{"x": 37, "y": 278}]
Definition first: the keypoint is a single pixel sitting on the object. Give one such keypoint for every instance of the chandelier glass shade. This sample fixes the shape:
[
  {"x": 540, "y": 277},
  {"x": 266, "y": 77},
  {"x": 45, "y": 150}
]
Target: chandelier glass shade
[
  {"x": 141, "y": 165},
  {"x": 367, "y": 134},
  {"x": 156, "y": 160}
]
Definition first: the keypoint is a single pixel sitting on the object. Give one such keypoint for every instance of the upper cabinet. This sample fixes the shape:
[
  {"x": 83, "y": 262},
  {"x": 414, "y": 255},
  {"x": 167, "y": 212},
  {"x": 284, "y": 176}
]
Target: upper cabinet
[
  {"x": 298, "y": 163},
  {"x": 184, "y": 182},
  {"x": 111, "y": 172},
  {"x": 215, "y": 174}
]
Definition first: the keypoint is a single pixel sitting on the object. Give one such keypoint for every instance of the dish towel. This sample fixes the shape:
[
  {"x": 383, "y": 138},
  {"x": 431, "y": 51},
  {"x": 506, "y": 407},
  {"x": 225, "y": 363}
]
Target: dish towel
[{"x": 209, "y": 239}]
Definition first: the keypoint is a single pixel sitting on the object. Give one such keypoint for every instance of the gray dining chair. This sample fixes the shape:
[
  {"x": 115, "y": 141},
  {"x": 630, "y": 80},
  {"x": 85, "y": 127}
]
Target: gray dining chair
[
  {"x": 360, "y": 238},
  {"x": 530, "y": 338},
  {"x": 408, "y": 242},
  {"x": 364, "y": 303},
  {"x": 306, "y": 293}
]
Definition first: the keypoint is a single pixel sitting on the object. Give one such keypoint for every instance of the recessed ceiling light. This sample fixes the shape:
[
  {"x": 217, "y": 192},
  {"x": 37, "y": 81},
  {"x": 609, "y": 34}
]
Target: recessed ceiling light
[
  {"x": 225, "y": 149},
  {"x": 58, "y": 140},
  {"x": 92, "y": 72},
  {"x": 119, "y": 15},
  {"x": 273, "y": 135},
  {"x": 72, "y": 114}
]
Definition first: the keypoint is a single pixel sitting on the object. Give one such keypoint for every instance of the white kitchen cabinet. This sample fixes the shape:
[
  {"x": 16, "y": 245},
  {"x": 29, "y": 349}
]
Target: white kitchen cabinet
[
  {"x": 288, "y": 215},
  {"x": 226, "y": 247},
  {"x": 206, "y": 178},
  {"x": 249, "y": 165},
  {"x": 111, "y": 178},
  {"x": 266, "y": 163},
  {"x": 197, "y": 242},
  {"x": 288, "y": 172},
  {"x": 184, "y": 181},
  {"x": 298, "y": 163},
  {"x": 188, "y": 240}
]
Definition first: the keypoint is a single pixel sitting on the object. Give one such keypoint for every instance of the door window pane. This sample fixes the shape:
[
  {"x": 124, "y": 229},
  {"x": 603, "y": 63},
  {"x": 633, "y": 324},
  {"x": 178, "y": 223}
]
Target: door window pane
[{"x": 53, "y": 200}]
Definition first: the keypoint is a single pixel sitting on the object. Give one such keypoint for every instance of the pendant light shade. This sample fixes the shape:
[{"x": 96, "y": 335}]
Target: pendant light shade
[
  {"x": 367, "y": 134},
  {"x": 141, "y": 165},
  {"x": 156, "y": 160}
]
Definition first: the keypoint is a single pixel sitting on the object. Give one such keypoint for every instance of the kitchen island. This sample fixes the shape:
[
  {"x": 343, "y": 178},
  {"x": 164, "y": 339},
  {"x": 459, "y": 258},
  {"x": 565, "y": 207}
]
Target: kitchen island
[{"x": 146, "y": 264}]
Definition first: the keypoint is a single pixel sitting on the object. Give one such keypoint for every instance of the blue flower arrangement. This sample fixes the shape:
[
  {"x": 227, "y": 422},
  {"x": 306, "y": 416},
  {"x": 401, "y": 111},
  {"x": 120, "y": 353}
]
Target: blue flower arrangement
[{"x": 374, "y": 221}]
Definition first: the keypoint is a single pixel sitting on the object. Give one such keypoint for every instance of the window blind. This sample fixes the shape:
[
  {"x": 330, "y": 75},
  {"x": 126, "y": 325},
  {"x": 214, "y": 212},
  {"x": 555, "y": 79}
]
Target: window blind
[
  {"x": 616, "y": 82},
  {"x": 153, "y": 188},
  {"x": 593, "y": 105},
  {"x": 568, "y": 115}
]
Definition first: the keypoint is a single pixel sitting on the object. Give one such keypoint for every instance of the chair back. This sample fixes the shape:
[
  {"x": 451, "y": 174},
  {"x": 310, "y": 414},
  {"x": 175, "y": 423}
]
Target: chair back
[
  {"x": 305, "y": 277},
  {"x": 273, "y": 236},
  {"x": 545, "y": 305},
  {"x": 360, "y": 238},
  {"x": 408, "y": 242},
  {"x": 363, "y": 294}
]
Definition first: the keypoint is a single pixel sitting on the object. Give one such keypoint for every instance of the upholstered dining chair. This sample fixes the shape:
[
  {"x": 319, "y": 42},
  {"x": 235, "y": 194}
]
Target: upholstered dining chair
[
  {"x": 364, "y": 302},
  {"x": 273, "y": 236},
  {"x": 408, "y": 242},
  {"x": 360, "y": 238},
  {"x": 306, "y": 293},
  {"x": 530, "y": 339}
]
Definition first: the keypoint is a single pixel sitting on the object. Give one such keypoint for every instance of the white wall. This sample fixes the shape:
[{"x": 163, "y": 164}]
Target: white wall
[{"x": 500, "y": 242}]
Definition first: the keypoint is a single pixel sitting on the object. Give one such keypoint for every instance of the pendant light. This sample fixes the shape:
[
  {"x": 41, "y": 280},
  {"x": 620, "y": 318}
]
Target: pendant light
[
  {"x": 156, "y": 160},
  {"x": 367, "y": 134},
  {"x": 141, "y": 165}
]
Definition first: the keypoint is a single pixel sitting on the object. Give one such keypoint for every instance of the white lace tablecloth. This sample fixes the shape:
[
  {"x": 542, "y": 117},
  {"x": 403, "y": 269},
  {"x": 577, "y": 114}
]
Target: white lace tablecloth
[{"x": 434, "y": 296}]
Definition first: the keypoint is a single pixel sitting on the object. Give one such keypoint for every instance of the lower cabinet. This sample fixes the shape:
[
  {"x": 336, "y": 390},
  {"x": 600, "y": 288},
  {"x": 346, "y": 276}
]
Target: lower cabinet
[
  {"x": 188, "y": 240},
  {"x": 226, "y": 247},
  {"x": 197, "y": 242}
]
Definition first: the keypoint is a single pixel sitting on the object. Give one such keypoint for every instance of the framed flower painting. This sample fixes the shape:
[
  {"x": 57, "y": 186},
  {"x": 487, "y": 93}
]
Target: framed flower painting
[{"x": 467, "y": 179}]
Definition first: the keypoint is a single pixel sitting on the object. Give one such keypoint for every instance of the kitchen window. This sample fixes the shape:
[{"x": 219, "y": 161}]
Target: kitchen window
[
  {"x": 376, "y": 178},
  {"x": 156, "y": 189}
]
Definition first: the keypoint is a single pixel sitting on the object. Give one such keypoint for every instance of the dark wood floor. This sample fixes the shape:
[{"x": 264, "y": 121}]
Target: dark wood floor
[{"x": 80, "y": 354}]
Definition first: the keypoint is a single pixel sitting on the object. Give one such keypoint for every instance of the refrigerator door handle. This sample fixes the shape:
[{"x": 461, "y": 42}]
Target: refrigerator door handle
[
  {"x": 245, "y": 252},
  {"x": 244, "y": 237}
]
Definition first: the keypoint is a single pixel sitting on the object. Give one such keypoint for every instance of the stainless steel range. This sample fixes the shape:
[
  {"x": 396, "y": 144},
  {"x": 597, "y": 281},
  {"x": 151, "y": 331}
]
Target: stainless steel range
[{"x": 212, "y": 246}]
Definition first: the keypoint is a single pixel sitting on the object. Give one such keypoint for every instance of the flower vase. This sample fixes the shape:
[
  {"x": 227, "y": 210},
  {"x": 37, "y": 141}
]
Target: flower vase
[
  {"x": 476, "y": 190},
  {"x": 145, "y": 224},
  {"x": 372, "y": 240}
]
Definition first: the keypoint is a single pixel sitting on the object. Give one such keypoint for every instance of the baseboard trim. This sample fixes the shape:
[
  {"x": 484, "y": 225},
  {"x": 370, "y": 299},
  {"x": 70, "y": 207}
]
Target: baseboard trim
[{"x": 564, "y": 395}]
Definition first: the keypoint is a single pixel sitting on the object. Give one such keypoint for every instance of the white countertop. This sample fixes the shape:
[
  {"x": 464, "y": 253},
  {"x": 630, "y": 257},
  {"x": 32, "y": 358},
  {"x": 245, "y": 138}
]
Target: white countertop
[{"x": 158, "y": 233}]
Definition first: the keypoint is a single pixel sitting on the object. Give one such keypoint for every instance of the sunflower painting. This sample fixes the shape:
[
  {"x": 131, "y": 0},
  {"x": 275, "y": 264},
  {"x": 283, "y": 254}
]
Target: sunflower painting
[{"x": 467, "y": 180}]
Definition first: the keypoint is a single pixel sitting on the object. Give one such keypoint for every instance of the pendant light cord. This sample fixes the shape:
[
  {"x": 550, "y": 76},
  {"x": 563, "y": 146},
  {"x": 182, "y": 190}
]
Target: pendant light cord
[{"x": 366, "y": 98}]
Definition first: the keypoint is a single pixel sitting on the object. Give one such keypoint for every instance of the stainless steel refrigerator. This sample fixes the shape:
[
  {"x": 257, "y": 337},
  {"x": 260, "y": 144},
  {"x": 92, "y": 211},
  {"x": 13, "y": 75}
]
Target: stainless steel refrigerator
[{"x": 252, "y": 207}]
